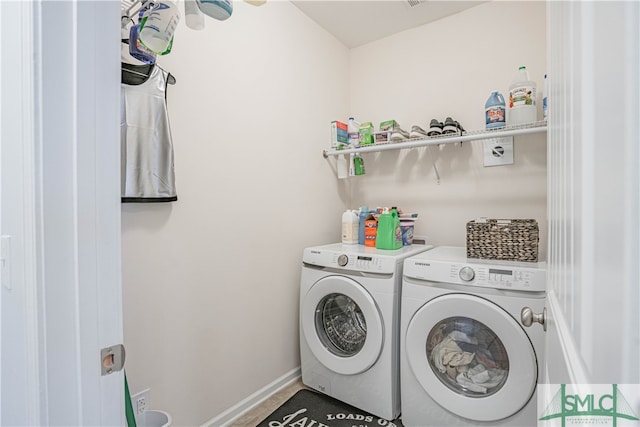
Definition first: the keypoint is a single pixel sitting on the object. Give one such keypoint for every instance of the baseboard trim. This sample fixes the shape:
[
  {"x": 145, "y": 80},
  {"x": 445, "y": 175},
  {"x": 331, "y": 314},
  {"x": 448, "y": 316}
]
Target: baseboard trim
[{"x": 226, "y": 417}]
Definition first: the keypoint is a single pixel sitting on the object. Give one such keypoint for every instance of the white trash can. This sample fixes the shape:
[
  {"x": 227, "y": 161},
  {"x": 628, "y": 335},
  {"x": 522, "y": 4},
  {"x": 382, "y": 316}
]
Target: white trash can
[{"x": 154, "y": 418}]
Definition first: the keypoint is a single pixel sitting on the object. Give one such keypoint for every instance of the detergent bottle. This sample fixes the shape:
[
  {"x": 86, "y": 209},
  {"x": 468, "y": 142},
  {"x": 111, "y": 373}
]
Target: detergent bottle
[
  {"x": 350, "y": 227},
  {"x": 389, "y": 235},
  {"x": 362, "y": 217},
  {"x": 494, "y": 111}
]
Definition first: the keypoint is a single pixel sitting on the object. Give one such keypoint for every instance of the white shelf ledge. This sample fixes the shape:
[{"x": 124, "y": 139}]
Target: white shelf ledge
[{"x": 536, "y": 127}]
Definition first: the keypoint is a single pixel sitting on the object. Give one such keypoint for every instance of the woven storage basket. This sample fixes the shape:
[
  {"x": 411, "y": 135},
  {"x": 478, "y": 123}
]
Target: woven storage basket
[{"x": 504, "y": 239}]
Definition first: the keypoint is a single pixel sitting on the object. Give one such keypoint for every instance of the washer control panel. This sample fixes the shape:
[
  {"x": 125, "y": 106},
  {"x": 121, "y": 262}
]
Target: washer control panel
[
  {"x": 360, "y": 262},
  {"x": 350, "y": 261},
  {"x": 515, "y": 278}
]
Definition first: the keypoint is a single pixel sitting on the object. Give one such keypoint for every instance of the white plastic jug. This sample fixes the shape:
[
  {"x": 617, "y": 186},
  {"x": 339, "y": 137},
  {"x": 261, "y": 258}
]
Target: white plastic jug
[
  {"x": 158, "y": 25},
  {"x": 350, "y": 222},
  {"x": 494, "y": 111},
  {"x": 522, "y": 99}
]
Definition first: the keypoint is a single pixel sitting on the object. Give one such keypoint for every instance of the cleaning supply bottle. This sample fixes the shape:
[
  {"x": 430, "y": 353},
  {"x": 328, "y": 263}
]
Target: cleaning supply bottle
[
  {"x": 370, "y": 229},
  {"x": 389, "y": 234},
  {"x": 358, "y": 163},
  {"x": 352, "y": 164},
  {"x": 193, "y": 16},
  {"x": 350, "y": 227},
  {"x": 353, "y": 129},
  {"x": 522, "y": 99},
  {"x": 158, "y": 25},
  {"x": 341, "y": 165},
  {"x": 494, "y": 111},
  {"x": 137, "y": 49},
  {"x": 217, "y": 9},
  {"x": 362, "y": 217},
  {"x": 397, "y": 229}
]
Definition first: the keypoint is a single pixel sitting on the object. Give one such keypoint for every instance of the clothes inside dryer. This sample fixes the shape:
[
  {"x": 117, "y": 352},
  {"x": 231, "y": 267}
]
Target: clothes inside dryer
[
  {"x": 341, "y": 325},
  {"x": 467, "y": 357}
]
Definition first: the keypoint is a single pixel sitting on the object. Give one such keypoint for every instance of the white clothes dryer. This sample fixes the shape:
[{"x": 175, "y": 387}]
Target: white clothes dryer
[
  {"x": 467, "y": 355},
  {"x": 350, "y": 324}
]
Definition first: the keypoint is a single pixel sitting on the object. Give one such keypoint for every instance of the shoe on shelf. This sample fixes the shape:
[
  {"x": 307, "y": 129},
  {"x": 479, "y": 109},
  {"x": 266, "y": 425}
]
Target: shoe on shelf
[
  {"x": 397, "y": 134},
  {"x": 417, "y": 132},
  {"x": 435, "y": 128},
  {"x": 449, "y": 126},
  {"x": 452, "y": 126}
]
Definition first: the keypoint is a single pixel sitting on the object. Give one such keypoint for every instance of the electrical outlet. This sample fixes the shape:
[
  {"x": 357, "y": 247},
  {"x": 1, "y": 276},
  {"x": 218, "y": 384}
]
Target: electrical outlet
[
  {"x": 141, "y": 401},
  {"x": 498, "y": 151}
]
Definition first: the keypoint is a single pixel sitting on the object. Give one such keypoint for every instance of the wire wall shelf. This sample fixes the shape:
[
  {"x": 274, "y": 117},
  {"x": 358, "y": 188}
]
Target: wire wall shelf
[{"x": 475, "y": 135}]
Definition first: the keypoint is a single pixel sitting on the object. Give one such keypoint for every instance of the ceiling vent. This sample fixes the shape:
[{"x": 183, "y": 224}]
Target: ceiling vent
[{"x": 414, "y": 3}]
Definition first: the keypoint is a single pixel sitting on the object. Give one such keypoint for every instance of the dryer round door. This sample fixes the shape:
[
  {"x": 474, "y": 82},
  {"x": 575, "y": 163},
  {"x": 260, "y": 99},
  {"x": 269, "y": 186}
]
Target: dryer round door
[
  {"x": 342, "y": 325},
  {"x": 471, "y": 357}
]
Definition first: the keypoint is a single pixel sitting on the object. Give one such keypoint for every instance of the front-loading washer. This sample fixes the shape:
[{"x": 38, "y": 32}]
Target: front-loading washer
[
  {"x": 350, "y": 323},
  {"x": 467, "y": 355}
]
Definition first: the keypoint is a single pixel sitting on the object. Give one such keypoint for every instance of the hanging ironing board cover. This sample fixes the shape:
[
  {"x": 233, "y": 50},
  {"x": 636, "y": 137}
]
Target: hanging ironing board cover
[{"x": 147, "y": 147}]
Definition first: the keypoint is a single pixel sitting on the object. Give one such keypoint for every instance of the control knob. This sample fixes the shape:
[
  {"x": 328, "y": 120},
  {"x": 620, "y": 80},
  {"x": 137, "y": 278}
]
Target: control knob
[
  {"x": 467, "y": 274},
  {"x": 343, "y": 260}
]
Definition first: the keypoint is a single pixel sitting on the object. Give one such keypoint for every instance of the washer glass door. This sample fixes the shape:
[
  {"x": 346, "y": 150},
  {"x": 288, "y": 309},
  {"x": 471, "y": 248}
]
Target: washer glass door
[
  {"x": 342, "y": 325},
  {"x": 471, "y": 357},
  {"x": 467, "y": 356}
]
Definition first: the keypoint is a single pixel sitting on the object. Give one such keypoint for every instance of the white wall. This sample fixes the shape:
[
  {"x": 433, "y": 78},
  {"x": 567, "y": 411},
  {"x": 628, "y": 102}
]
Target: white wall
[
  {"x": 449, "y": 68},
  {"x": 211, "y": 282}
]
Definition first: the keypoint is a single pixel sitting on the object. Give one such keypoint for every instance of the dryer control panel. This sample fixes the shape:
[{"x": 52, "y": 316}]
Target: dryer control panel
[{"x": 503, "y": 278}]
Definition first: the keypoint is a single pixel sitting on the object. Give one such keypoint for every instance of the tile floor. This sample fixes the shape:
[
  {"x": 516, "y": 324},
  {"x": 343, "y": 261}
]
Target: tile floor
[{"x": 252, "y": 417}]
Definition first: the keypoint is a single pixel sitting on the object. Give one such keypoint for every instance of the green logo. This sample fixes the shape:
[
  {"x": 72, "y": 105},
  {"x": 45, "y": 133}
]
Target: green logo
[{"x": 589, "y": 406}]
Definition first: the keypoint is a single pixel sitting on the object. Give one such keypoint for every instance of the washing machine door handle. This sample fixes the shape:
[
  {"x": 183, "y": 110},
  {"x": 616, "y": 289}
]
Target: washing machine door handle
[{"x": 528, "y": 317}]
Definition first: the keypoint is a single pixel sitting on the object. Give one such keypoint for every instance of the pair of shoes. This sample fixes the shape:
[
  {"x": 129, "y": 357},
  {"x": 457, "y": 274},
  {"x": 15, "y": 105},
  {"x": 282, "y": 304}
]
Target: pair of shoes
[
  {"x": 417, "y": 132},
  {"x": 397, "y": 134},
  {"x": 435, "y": 128},
  {"x": 452, "y": 126}
]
